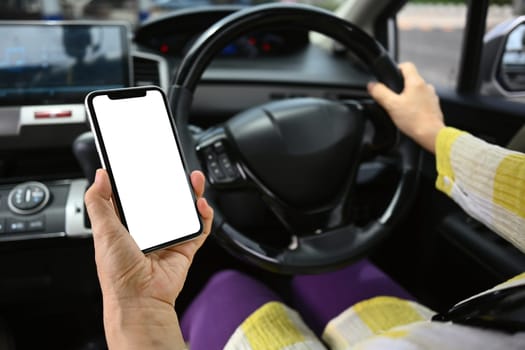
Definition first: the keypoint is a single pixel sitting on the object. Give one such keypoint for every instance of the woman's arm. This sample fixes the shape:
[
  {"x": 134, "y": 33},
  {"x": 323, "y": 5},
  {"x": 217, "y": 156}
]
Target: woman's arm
[{"x": 487, "y": 181}]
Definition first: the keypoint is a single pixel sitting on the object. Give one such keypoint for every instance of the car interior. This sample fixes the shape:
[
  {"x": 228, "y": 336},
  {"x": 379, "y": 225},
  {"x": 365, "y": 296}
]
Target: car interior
[{"x": 305, "y": 172}]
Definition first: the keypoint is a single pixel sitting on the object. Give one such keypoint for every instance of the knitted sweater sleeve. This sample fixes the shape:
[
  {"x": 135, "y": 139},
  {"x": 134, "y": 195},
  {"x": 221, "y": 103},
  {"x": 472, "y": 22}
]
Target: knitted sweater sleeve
[{"x": 487, "y": 181}]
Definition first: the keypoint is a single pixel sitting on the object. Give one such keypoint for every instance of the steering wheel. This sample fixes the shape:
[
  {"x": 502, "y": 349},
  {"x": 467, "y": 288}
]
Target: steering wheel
[{"x": 302, "y": 155}]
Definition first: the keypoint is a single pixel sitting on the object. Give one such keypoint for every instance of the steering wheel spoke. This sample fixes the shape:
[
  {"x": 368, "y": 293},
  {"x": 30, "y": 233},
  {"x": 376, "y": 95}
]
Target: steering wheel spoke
[
  {"x": 385, "y": 135},
  {"x": 305, "y": 222}
]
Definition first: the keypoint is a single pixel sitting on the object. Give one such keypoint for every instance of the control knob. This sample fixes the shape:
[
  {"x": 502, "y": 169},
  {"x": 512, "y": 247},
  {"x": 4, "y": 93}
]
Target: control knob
[{"x": 28, "y": 198}]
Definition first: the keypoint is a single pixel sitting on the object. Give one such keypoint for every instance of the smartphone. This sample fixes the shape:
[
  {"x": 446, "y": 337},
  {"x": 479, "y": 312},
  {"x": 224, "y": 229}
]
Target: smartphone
[{"x": 137, "y": 144}]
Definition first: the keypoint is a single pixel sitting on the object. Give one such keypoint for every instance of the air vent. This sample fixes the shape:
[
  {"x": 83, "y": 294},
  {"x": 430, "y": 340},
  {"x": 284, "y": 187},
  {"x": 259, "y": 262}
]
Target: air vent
[
  {"x": 150, "y": 69},
  {"x": 146, "y": 71}
]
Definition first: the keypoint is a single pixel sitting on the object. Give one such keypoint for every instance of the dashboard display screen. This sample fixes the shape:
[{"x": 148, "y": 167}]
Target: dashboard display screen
[{"x": 42, "y": 63}]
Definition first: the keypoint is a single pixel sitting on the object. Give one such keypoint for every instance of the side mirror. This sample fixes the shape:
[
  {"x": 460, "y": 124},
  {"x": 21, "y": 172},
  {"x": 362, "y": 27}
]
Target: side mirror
[{"x": 503, "y": 60}]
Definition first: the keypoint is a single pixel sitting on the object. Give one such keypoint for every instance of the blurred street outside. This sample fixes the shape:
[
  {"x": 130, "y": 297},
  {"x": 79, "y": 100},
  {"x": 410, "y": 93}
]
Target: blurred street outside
[
  {"x": 431, "y": 37},
  {"x": 446, "y": 17}
]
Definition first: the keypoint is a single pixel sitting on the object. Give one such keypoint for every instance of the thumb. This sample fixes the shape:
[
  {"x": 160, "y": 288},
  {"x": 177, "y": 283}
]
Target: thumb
[
  {"x": 101, "y": 187},
  {"x": 101, "y": 211},
  {"x": 381, "y": 93}
]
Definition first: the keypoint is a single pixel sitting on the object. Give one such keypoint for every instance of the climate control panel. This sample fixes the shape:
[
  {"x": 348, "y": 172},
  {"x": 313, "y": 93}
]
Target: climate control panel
[{"x": 28, "y": 198}]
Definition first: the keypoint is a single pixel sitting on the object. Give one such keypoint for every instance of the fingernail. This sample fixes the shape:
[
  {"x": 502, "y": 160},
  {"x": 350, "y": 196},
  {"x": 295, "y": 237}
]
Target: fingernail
[
  {"x": 371, "y": 85},
  {"x": 98, "y": 175}
]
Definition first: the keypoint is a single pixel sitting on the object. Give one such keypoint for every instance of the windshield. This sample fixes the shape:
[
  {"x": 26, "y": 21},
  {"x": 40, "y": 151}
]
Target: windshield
[{"x": 132, "y": 11}]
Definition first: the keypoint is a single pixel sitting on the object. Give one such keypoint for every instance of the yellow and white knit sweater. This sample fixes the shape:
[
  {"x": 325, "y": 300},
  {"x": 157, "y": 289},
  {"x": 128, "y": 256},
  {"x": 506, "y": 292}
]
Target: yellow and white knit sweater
[{"x": 489, "y": 183}]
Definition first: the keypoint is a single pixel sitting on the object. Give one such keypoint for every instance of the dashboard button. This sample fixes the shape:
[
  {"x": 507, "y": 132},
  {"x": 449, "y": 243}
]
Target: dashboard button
[
  {"x": 35, "y": 224},
  {"x": 16, "y": 225},
  {"x": 53, "y": 114},
  {"x": 2, "y": 225},
  {"x": 28, "y": 198}
]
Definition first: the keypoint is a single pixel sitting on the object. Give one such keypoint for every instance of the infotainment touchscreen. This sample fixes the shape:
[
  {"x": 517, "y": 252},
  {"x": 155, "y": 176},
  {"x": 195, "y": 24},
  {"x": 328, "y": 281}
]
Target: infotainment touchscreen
[{"x": 60, "y": 62}]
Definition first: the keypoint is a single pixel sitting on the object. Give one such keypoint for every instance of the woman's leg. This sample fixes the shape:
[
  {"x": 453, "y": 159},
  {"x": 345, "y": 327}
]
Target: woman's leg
[
  {"x": 319, "y": 298},
  {"x": 224, "y": 303}
]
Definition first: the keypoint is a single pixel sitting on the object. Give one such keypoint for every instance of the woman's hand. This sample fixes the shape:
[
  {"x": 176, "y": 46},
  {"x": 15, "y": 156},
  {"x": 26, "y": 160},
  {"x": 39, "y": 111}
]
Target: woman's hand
[
  {"x": 416, "y": 111},
  {"x": 139, "y": 291}
]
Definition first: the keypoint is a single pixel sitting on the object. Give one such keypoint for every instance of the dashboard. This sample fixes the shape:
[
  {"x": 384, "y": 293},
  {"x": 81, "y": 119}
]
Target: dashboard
[
  {"x": 173, "y": 37},
  {"x": 46, "y": 69}
]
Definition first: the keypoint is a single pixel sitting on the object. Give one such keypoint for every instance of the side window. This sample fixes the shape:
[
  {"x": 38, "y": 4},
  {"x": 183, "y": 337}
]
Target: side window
[{"x": 430, "y": 35}]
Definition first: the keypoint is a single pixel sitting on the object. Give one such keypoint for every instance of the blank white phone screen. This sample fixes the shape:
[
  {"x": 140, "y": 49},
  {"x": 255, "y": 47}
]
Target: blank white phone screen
[{"x": 147, "y": 169}]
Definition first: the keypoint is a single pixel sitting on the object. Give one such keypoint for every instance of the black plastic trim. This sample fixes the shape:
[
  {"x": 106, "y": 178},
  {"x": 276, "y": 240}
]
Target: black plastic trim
[
  {"x": 482, "y": 245},
  {"x": 469, "y": 69},
  {"x": 278, "y": 15}
]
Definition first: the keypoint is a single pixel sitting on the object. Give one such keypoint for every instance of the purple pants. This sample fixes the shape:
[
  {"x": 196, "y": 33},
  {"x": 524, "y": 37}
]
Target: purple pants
[{"x": 230, "y": 297}]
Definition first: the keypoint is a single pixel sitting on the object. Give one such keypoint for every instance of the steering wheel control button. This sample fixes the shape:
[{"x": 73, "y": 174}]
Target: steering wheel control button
[
  {"x": 227, "y": 165},
  {"x": 221, "y": 169},
  {"x": 209, "y": 155},
  {"x": 2, "y": 225},
  {"x": 219, "y": 147},
  {"x": 216, "y": 171},
  {"x": 28, "y": 198}
]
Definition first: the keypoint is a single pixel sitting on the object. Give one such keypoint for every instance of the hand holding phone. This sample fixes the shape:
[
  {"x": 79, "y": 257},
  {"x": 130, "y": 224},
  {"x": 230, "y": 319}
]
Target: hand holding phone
[
  {"x": 137, "y": 144},
  {"x": 141, "y": 289}
]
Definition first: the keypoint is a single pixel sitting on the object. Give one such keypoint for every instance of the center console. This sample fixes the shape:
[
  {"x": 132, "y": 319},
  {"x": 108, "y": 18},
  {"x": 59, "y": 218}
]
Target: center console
[
  {"x": 34, "y": 210},
  {"x": 46, "y": 69}
]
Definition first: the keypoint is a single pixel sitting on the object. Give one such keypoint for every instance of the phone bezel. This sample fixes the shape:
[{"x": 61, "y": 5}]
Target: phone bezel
[{"x": 133, "y": 92}]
